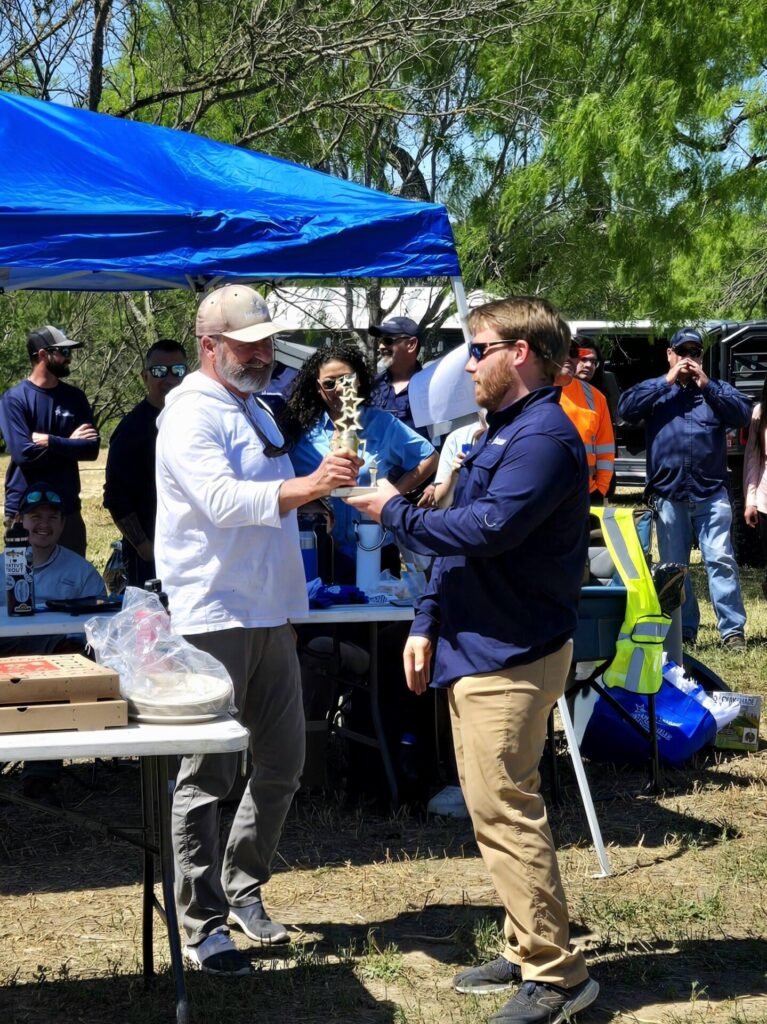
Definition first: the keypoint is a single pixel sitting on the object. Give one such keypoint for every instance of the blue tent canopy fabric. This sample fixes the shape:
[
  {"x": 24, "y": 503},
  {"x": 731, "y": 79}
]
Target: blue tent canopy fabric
[{"x": 90, "y": 202}]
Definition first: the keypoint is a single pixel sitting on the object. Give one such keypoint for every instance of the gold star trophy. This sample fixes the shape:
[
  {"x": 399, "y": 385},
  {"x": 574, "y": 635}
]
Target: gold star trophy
[{"x": 345, "y": 436}]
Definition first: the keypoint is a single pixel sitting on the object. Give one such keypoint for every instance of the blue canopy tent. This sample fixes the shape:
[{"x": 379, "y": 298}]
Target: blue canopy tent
[{"x": 90, "y": 202}]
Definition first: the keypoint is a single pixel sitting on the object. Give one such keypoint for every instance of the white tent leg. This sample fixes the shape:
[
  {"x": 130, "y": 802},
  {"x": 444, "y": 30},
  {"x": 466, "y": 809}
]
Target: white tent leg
[
  {"x": 583, "y": 786},
  {"x": 456, "y": 283}
]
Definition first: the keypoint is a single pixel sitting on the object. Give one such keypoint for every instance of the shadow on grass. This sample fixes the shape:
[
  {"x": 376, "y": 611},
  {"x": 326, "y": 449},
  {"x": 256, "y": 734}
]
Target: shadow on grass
[
  {"x": 39, "y": 853},
  {"x": 725, "y": 969},
  {"x": 632, "y": 974},
  {"x": 307, "y": 993}
]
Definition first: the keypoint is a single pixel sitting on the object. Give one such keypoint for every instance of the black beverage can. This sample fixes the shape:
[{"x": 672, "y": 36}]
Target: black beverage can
[{"x": 19, "y": 584}]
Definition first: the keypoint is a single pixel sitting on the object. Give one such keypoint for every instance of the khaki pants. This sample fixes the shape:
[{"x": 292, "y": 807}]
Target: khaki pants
[{"x": 499, "y": 730}]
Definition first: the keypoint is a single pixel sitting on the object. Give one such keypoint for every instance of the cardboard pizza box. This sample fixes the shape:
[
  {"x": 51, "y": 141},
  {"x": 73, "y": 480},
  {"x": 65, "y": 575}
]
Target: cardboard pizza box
[
  {"x": 81, "y": 715},
  {"x": 46, "y": 678}
]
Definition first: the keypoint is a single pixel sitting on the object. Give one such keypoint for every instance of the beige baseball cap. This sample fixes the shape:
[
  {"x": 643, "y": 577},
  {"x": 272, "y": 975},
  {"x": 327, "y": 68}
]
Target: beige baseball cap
[{"x": 238, "y": 312}]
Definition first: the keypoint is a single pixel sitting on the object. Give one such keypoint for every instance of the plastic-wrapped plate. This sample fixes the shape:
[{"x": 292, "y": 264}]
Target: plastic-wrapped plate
[{"x": 179, "y": 695}]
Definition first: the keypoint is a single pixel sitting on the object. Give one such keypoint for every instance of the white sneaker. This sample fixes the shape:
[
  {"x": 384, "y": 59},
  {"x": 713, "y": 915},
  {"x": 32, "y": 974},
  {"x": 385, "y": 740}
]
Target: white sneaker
[
  {"x": 217, "y": 954},
  {"x": 449, "y": 802}
]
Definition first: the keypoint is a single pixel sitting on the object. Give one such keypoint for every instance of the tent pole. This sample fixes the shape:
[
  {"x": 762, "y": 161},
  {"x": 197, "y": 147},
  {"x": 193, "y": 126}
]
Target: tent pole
[{"x": 456, "y": 283}]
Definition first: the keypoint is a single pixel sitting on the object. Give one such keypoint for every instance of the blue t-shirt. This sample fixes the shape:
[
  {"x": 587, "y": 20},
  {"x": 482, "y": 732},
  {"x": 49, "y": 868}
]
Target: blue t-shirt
[
  {"x": 395, "y": 446},
  {"x": 26, "y": 409}
]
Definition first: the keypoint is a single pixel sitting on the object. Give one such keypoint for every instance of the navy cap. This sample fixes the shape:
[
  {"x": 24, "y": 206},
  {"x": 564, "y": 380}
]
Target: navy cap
[
  {"x": 687, "y": 336},
  {"x": 396, "y": 326},
  {"x": 38, "y": 494}
]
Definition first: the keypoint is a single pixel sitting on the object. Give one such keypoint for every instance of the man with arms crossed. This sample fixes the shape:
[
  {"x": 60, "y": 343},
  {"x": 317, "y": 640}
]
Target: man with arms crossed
[
  {"x": 48, "y": 428},
  {"x": 497, "y": 618},
  {"x": 227, "y": 551}
]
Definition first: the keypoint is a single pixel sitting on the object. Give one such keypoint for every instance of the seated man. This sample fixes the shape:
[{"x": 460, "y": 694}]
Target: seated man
[{"x": 58, "y": 573}]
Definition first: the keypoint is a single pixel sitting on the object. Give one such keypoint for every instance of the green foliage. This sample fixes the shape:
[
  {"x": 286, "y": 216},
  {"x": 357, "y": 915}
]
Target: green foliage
[
  {"x": 635, "y": 191},
  {"x": 609, "y": 153}
]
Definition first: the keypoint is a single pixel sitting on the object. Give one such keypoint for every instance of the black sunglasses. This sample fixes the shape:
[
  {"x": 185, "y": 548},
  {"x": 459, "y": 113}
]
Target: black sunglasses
[
  {"x": 477, "y": 349},
  {"x": 65, "y": 352},
  {"x": 270, "y": 449},
  {"x": 40, "y": 497},
  {"x": 387, "y": 340},
  {"x": 178, "y": 370},
  {"x": 693, "y": 351}
]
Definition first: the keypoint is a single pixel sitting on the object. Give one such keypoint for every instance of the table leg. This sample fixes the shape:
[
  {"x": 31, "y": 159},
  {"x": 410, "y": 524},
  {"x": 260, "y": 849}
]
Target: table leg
[
  {"x": 166, "y": 866},
  {"x": 375, "y": 709},
  {"x": 654, "y": 782},
  {"x": 149, "y": 821}
]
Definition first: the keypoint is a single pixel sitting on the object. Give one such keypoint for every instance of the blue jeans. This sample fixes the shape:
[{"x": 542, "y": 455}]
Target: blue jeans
[{"x": 710, "y": 522}]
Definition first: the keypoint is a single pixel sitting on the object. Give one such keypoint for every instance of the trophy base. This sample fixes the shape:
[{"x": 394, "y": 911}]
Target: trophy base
[{"x": 352, "y": 492}]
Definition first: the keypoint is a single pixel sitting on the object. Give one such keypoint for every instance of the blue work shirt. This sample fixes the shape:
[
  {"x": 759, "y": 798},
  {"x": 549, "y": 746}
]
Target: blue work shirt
[
  {"x": 395, "y": 446},
  {"x": 513, "y": 546},
  {"x": 686, "y": 434},
  {"x": 383, "y": 396}
]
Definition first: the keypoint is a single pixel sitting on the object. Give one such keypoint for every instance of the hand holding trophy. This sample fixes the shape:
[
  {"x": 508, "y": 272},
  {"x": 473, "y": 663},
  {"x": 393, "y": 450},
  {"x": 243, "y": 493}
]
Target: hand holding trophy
[{"x": 346, "y": 437}]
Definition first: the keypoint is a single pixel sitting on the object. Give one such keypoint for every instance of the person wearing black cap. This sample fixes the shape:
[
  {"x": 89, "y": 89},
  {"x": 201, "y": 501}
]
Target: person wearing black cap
[
  {"x": 48, "y": 428},
  {"x": 399, "y": 342},
  {"x": 686, "y": 416}
]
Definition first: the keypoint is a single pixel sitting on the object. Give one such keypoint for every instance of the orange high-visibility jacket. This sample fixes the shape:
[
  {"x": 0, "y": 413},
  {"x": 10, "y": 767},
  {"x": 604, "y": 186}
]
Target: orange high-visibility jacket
[{"x": 587, "y": 408}]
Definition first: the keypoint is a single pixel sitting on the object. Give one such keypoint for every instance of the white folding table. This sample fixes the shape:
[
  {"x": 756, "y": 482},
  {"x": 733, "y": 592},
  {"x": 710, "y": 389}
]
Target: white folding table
[
  {"x": 151, "y": 744},
  {"x": 373, "y": 615}
]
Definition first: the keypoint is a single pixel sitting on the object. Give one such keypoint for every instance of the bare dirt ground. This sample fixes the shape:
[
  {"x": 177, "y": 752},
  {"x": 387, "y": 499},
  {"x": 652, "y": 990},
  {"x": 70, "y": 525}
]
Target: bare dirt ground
[{"x": 383, "y": 910}]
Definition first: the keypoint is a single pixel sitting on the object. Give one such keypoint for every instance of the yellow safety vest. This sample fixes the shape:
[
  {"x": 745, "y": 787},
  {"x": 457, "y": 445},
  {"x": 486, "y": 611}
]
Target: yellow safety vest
[{"x": 638, "y": 661}]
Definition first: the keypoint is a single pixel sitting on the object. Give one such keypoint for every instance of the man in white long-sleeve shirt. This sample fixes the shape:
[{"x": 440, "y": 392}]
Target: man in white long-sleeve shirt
[{"x": 227, "y": 551}]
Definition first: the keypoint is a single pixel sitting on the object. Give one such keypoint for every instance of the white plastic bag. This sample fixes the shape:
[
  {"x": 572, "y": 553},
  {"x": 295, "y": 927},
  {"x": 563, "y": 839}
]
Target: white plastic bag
[
  {"x": 722, "y": 714},
  {"x": 162, "y": 676}
]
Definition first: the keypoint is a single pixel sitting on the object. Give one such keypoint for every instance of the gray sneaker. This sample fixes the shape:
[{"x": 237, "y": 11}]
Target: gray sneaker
[
  {"x": 257, "y": 925},
  {"x": 217, "y": 954},
  {"x": 539, "y": 1003},
  {"x": 495, "y": 976}
]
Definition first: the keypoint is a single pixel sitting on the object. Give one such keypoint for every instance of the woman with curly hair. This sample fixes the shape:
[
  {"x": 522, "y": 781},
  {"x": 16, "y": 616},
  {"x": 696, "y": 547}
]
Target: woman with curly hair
[{"x": 309, "y": 419}]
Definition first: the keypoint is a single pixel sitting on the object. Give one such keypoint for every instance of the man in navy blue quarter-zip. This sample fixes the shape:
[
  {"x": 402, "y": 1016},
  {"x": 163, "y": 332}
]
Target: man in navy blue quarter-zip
[
  {"x": 686, "y": 415},
  {"x": 497, "y": 620}
]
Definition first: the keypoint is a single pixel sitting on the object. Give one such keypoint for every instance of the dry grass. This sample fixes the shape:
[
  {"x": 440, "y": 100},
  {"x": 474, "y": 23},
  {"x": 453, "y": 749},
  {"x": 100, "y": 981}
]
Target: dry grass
[{"x": 385, "y": 909}]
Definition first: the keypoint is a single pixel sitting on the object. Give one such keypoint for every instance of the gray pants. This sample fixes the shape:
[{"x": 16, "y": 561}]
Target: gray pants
[{"x": 264, "y": 668}]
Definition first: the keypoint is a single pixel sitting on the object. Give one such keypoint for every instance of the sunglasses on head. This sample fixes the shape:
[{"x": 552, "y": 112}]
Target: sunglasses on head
[
  {"x": 178, "y": 370},
  {"x": 40, "y": 497}
]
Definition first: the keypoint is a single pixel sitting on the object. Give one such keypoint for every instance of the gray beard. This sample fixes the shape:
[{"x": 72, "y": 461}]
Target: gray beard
[{"x": 247, "y": 379}]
